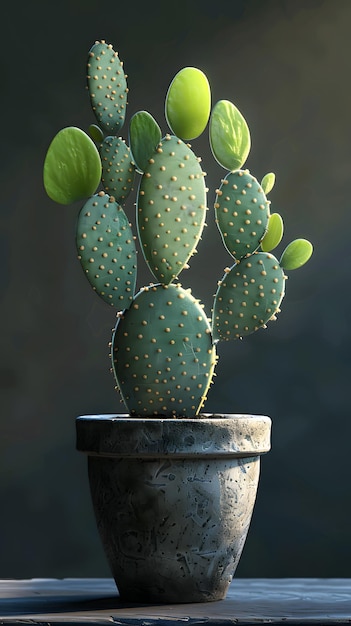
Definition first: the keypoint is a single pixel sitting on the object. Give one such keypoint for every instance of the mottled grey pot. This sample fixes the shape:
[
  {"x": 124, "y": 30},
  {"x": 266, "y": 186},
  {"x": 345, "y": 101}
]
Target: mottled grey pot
[{"x": 173, "y": 499}]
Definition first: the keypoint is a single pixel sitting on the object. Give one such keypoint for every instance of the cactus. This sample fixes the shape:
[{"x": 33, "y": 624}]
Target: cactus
[{"x": 163, "y": 347}]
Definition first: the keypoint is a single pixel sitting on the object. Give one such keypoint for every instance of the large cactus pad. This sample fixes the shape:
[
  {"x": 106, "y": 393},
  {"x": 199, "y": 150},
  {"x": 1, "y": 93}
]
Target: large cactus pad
[
  {"x": 171, "y": 208},
  {"x": 248, "y": 296},
  {"x": 106, "y": 250},
  {"x": 242, "y": 213},
  {"x": 163, "y": 356}
]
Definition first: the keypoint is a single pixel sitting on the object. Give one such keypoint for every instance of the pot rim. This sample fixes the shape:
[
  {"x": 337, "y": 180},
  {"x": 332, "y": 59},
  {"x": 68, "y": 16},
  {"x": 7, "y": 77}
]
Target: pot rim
[{"x": 207, "y": 435}]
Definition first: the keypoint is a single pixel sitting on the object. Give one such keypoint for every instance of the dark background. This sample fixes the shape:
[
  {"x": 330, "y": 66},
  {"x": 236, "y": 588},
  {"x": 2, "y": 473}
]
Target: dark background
[{"x": 286, "y": 65}]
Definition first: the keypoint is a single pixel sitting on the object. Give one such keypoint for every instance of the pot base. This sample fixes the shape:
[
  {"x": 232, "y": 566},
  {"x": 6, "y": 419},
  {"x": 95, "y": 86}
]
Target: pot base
[{"x": 173, "y": 530}]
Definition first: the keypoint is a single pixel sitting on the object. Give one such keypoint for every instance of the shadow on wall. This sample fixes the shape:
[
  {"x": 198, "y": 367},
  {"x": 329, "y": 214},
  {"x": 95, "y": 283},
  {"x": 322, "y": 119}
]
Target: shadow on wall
[{"x": 285, "y": 66}]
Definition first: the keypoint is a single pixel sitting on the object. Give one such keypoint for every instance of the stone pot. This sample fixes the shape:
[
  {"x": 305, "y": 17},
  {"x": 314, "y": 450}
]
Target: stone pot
[{"x": 173, "y": 499}]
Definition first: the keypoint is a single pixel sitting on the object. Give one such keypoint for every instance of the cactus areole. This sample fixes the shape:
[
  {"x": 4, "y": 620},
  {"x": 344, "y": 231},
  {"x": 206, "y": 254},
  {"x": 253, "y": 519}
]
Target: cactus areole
[{"x": 163, "y": 348}]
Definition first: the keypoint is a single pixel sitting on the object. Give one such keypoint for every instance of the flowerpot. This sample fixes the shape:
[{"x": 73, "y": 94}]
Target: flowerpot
[{"x": 173, "y": 499}]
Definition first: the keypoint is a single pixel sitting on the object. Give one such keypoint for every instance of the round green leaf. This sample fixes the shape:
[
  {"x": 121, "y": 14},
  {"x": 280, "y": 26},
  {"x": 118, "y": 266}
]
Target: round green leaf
[
  {"x": 72, "y": 166},
  {"x": 229, "y": 135},
  {"x": 188, "y": 103},
  {"x": 267, "y": 182},
  {"x": 296, "y": 254},
  {"x": 144, "y": 136},
  {"x": 274, "y": 233}
]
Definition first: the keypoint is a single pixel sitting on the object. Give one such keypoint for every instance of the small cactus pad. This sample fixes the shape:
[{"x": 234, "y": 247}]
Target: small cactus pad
[
  {"x": 267, "y": 182},
  {"x": 72, "y": 166},
  {"x": 242, "y": 213},
  {"x": 106, "y": 250},
  {"x": 229, "y": 135},
  {"x": 118, "y": 170},
  {"x": 296, "y": 254},
  {"x": 274, "y": 233},
  {"x": 144, "y": 137},
  {"x": 107, "y": 86},
  {"x": 162, "y": 353},
  {"x": 248, "y": 296},
  {"x": 188, "y": 103},
  {"x": 171, "y": 208},
  {"x": 96, "y": 133}
]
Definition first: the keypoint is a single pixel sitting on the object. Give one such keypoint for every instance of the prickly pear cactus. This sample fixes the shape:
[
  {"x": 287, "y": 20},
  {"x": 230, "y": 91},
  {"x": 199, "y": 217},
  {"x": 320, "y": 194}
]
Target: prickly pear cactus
[{"x": 163, "y": 347}]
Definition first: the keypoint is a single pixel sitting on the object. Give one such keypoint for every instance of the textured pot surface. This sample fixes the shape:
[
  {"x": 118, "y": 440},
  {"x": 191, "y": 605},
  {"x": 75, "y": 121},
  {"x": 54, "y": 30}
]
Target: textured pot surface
[{"x": 173, "y": 500}]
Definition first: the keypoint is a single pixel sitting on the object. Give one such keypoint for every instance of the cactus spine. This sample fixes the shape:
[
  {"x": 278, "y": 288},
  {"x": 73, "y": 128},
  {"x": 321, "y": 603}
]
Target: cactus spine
[{"x": 163, "y": 346}]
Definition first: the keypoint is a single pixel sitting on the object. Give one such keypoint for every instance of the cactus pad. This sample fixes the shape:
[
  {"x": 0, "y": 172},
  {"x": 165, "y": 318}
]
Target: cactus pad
[
  {"x": 248, "y": 296},
  {"x": 296, "y": 254},
  {"x": 107, "y": 86},
  {"x": 242, "y": 213},
  {"x": 163, "y": 357},
  {"x": 118, "y": 170},
  {"x": 268, "y": 182},
  {"x": 72, "y": 166},
  {"x": 188, "y": 103},
  {"x": 229, "y": 135},
  {"x": 96, "y": 133},
  {"x": 274, "y": 233},
  {"x": 144, "y": 137},
  {"x": 171, "y": 208},
  {"x": 106, "y": 250}
]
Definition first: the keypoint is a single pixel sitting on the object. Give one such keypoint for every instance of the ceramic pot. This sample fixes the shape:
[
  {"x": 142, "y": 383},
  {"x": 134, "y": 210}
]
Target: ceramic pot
[{"x": 173, "y": 499}]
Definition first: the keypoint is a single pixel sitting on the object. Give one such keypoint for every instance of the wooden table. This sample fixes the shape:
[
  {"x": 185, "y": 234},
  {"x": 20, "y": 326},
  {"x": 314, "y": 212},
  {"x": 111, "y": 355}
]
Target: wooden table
[{"x": 249, "y": 602}]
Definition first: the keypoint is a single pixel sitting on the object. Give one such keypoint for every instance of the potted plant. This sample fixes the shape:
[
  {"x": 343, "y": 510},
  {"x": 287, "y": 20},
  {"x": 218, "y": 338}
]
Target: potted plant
[{"x": 173, "y": 487}]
